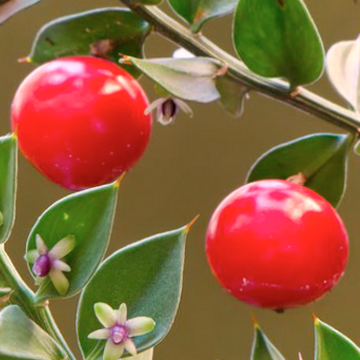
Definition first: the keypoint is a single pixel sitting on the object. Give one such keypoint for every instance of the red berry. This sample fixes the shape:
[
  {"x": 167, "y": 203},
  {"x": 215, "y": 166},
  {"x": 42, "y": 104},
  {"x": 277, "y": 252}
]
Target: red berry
[
  {"x": 80, "y": 121},
  {"x": 276, "y": 244}
]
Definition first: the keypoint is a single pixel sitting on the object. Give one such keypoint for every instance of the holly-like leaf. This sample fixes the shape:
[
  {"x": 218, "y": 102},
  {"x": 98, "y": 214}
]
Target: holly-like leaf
[
  {"x": 343, "y": 69},
  {"x": 9, "y": 8},
  {"x": 262, "y": 348},
  {"x": 22, "y": 339},
  {"x": 86, "y": 215},
  {"x": 278, "y": 38},
  {"x": 233, "y": 95},
  {"x": 197, "y": 12},
  {"x": 330, "y": 344},
  {"x": 320, "y": 158},
  {"x": 147, "y": 276},
  {"x": 189, "y": 79},
  {"x": 107, "y": 33},
  {"x": 8, "y": 181}
]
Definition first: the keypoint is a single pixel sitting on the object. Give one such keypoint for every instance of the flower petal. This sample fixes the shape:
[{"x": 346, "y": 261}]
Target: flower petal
[
  {"x": 112, "y": 351},
  {"x": 61, "y": 265},
  {"x": 63, "y": 247},
  {"x": 184, "y": 107},
  {"x": 140, "y": 325},
  {"x": 40, "y": 245},
  {"x": 154, "y": 105},
  {"x": 31, "y": 256},
  {"x": 60, "y": 282},
  {"x": 105, "y": 314},
  {"x": 130, "y": 347},
  {"x": 101, "y": 334},
  {"x": 122, "y": 313}
]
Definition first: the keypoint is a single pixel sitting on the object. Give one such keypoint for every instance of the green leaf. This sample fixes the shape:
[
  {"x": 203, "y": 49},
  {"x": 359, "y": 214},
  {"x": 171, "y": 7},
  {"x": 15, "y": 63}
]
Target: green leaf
[
  {"x": 321, "y": 158},
  {"x": 233, "y": 95},
  {"x": 188, "y": 79},
  {"x": 278, "y": 38},
  {"x": 197, "y": 12},
  {"x": 262, "y": 348},
  {"x": 9, "y": 8},
  {"x": 22, "y": 339},
  {"x": 107, "y": 32},
  {"x": 147, "y": 276},
  {"x": 8, "y": 180},
  {"x": 330, "y": 344},
  {"x": 343, "y": 65},
  {"x": 87, "y": 215}
]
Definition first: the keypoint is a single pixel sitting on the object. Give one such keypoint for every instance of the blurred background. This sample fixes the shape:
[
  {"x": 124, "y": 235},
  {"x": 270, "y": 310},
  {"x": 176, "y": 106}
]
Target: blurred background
[{"x": 188, "y": 169}]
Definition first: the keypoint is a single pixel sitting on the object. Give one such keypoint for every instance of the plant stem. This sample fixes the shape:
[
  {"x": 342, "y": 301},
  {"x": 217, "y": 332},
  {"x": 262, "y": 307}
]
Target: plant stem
[
  {"x": 25, "y": 298},
  {"x": 199, "y": 45}
]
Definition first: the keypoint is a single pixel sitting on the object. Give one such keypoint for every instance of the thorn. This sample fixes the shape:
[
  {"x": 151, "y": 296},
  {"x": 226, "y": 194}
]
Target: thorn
[
  {"x": 117, "y": 183},
  {"x": 314, "y": 316},
  {"x": 255, "y": 321},
  {"x": 125, "y": 60},
  {"x": 300, "y": 356},
  {"x": 24, "y": 60},
  {"x": 191, "y": 223}
]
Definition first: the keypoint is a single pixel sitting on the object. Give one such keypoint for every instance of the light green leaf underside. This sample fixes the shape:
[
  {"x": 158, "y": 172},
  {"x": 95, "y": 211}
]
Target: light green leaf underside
[
  {"x": 188, "y": 79},
  {"x": 343, "y": 69}
]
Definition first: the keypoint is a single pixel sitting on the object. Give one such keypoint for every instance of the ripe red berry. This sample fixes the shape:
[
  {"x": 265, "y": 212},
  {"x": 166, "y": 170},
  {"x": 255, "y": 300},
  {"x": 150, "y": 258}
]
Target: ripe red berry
[
  {"x": 276, "y": 244},
  {"x": 80, "y": 121}
]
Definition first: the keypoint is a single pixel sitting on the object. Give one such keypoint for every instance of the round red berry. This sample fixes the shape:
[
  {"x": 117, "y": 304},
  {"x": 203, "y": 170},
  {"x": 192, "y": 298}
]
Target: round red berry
[
  {"x": 80, "y": 121},
  {"x": 276, "y": 244}
]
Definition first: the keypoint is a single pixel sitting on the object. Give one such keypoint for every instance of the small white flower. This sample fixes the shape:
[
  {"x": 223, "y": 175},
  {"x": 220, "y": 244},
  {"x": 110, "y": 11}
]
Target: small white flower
[
  {"x": 168, "y": 108},
  {"x": 118, "y": 331},
  {"x": 50, "y": 263}
]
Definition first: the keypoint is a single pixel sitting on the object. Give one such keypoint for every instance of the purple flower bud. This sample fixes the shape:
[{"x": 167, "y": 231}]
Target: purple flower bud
[
  {"x": 42, "y": 266},
  {"x": 118, "y": 334}
]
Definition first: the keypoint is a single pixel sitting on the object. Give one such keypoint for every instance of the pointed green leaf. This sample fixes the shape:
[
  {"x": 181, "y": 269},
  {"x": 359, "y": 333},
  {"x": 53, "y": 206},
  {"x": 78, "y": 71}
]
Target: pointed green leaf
[
  {"x": 330, "y": 344},
  {"x": 22, "y": 339},
  {"x": 263, "y": 349},
  {"x": 147, "y": 276},
  {"x": 88, "y": 216},
  {"x": 197, "y": 12},
  {"x": 233, "y": 95},
  {"x": 343, "y": 69},
  {"x": 8, "y": 180},
  {"x": 278, "y": 38},
  {"x": 321, "y": 158},
  {"x": 188, "y": 79},
  {"x": 9, "y": 8},
  {"x": 107, "y": 32}
]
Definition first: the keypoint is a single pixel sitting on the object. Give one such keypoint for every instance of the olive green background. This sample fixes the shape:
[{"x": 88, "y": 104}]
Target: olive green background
[{"x": 188, "y": 168}]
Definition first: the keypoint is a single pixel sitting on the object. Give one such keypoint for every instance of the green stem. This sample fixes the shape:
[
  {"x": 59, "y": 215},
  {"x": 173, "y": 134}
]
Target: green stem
[
  {"x": 25, "y": 298},
  {"x": 199, "y": 45}
]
